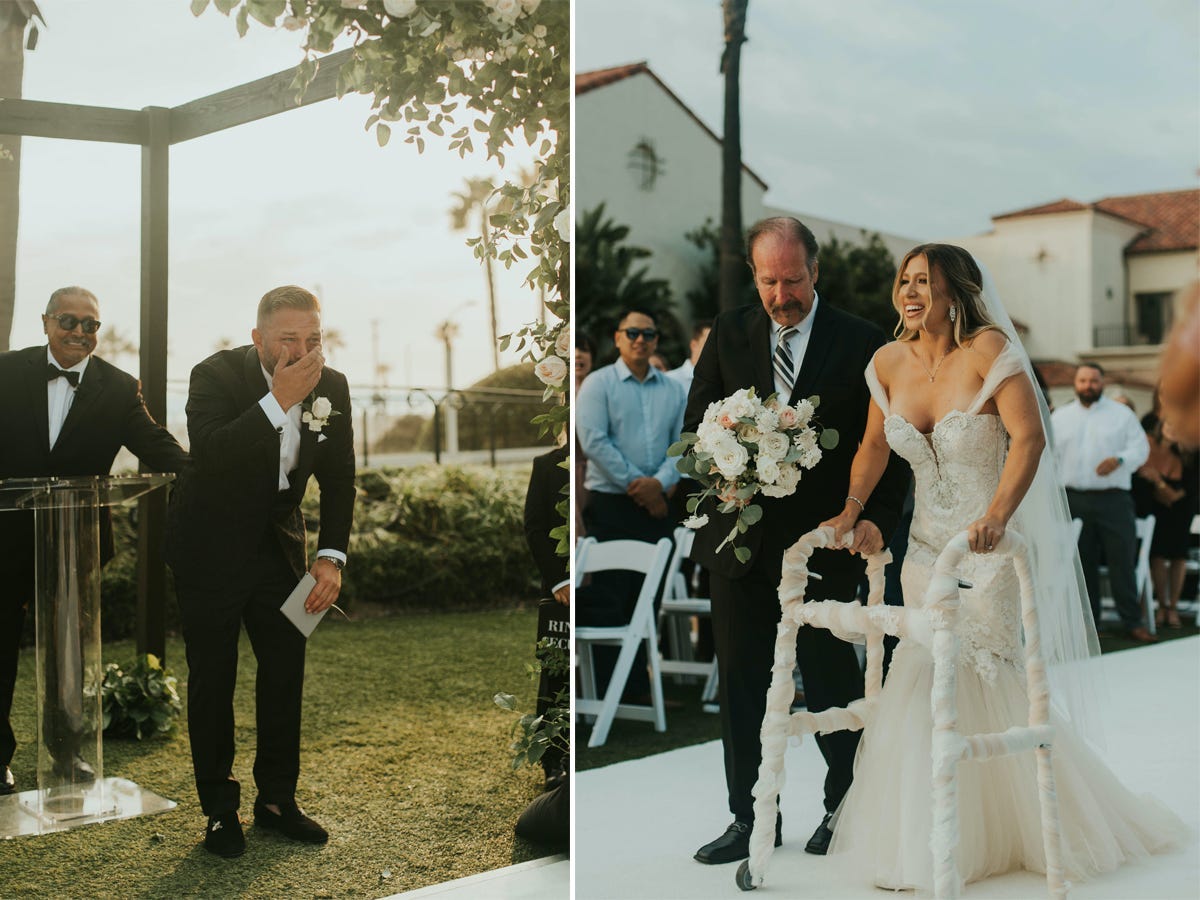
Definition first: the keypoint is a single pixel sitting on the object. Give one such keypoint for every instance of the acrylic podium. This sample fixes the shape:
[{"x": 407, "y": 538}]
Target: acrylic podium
[{"x": 71, "y": 787}]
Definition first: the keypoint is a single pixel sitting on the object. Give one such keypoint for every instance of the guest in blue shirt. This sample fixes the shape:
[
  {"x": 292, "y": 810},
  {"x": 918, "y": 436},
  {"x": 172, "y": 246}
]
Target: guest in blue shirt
[{"x": 626, "y": 416}]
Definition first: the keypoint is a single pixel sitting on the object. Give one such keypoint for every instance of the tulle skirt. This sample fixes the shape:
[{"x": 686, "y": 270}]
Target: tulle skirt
[{"x": 882, "y": 829}]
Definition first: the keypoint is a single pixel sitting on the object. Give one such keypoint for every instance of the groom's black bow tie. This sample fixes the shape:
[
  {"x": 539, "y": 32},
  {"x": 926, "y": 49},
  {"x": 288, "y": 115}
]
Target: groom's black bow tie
[{"x": 53, "y": 371}]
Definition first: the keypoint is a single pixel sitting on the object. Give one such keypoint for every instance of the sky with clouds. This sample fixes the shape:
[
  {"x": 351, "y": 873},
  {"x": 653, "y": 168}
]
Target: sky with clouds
[
  {"x": 306, "y": 197},
  {"x": 926, "y": 118}
]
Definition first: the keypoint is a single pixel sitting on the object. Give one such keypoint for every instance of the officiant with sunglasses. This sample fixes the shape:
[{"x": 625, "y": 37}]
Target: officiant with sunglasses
[
  {"x": 65, "y": 412},
  {"x": 626, "y": 416}
]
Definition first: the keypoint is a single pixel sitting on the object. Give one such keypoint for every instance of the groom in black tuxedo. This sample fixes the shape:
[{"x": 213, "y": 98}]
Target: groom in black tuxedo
[
  {"x": 825, "y": 352},
  {"x": 65, "y": 412},
  {"x": 261, "y": 420}
]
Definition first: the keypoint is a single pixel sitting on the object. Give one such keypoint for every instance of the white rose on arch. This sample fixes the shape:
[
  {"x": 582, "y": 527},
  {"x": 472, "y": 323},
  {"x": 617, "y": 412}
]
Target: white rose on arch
[
  {"x": 562, "y": 224},
  {"x": 400, "y": 9},
  {"x": 551, "y": 371},
  {"x": 562, "y": 344},
  {"x": 531, "y": 6}
]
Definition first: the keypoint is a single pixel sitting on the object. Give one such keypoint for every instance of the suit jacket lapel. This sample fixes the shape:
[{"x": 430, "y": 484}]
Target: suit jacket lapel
[
  {"x": 87, "y": 395},
  {"x": 820, "y": 341},
  {"x": 255, "y": 382},
  {"x": 760, "y": 353},
  {"x": 38, "y": 395}
]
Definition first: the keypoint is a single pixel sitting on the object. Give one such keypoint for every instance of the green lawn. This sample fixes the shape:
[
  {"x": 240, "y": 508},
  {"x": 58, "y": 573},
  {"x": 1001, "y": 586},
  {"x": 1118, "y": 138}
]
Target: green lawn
[{"x": 404, "y": 759}]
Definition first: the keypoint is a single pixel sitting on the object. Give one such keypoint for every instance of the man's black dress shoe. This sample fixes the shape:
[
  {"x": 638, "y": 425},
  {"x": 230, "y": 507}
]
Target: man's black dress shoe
[
  {"x": 733, "y": 845},
  {"x": 224, "y": 835},
  {"x": 290, "y": 821},
  {"x": 819, "y": 842},
  {"x": 8, "y": 784}
]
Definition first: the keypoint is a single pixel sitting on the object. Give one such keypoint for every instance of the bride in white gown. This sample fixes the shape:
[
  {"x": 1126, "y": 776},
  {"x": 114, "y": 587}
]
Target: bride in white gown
[{"x": 954, "y": 398}]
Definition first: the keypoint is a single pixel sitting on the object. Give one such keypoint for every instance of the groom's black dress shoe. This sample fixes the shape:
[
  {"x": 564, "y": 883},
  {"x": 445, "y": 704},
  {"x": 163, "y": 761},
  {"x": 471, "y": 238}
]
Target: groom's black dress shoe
[
  {"x": 290, "y": 821},
  {"x": 819, "y": 842},
  {"x": 733, "y": 845},
  {"x": 8, "y": 784},
  {"x": 223, "y": 836}
]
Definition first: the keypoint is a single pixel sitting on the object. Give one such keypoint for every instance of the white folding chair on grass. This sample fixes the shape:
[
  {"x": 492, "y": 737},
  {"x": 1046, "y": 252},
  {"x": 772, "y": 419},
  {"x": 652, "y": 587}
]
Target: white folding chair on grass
[
  {"x": 628, "y": 556},
  {"x": 1143, "y": 583},
  {"x": 677, "y": 609}
]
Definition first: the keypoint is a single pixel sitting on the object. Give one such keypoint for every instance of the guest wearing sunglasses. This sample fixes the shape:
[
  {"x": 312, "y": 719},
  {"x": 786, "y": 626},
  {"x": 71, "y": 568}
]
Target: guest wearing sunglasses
[
  {"x": 627, "y": 415},
  {"x": 67, "y": 412}
]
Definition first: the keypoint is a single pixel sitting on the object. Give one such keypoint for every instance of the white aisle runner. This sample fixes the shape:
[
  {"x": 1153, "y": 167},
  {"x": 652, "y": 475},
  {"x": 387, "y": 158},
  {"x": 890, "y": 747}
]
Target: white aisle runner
[{"x": 638, "y": 823}]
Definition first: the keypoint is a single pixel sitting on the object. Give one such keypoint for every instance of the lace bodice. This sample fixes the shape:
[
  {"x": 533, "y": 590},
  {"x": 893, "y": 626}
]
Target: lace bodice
[{"x": 956, "y": 470}]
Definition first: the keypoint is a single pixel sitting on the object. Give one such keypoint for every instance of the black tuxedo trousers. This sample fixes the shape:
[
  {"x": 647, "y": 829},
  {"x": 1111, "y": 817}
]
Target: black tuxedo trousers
[
  {"x": 212, "y": 614},
  {"x": 745, "y": 616}
]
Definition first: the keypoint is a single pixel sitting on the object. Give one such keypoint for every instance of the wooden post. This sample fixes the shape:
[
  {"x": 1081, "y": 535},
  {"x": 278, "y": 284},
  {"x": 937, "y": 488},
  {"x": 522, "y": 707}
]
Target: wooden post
[{"x": 152, "y": 509}]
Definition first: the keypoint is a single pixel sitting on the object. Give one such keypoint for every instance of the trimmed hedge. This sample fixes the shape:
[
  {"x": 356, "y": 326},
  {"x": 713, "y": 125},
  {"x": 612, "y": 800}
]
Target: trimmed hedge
[{"x": 427, "y": 537}]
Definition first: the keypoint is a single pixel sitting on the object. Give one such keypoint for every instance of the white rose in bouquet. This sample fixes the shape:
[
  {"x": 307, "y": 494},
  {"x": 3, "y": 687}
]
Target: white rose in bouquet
[
  {"x": 551, "y": 370},
  {"x": 767, "y": 469},
  {"x": 788, "y": 418},
  {"x": 711, "y": 435},
  {"x": 739, "y": 405},
  {"x": 775, "y": 444},
  {"x": 731, "y": 458},
  {"x": 749, "y": 434},
  {"x": 785, "y": 485}
]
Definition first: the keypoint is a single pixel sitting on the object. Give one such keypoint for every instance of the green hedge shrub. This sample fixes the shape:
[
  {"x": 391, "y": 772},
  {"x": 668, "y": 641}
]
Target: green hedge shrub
[{"x": 428, "y": 537}]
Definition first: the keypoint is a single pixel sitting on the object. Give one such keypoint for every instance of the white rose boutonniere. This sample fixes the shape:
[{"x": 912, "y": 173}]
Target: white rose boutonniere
[{"x": 317, "y": 413}]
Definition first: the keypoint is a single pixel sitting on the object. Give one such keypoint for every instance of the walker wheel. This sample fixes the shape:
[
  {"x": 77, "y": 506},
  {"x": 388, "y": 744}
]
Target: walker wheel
[{"x": 745, "y": 880}]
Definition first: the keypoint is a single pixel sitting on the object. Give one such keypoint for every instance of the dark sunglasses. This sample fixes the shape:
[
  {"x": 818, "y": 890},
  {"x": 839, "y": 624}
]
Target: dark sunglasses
[
  {"x": 67, "y": 322},
  {"x": 633, "y": 334}
]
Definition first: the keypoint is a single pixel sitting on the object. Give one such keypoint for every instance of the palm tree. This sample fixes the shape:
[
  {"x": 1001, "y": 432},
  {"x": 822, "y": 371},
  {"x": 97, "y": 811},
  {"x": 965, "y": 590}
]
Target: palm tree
[
  {"x": 472, "y": 201},
  {"x": 731, "y": 275},
  {"x": 15, "y": 19}
]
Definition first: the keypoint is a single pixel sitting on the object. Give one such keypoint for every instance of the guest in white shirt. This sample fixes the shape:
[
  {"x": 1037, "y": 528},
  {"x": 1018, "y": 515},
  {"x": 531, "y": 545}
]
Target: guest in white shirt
[
  {"x": 699, "y": 335},
  {"x": 1099, "y": 444}
]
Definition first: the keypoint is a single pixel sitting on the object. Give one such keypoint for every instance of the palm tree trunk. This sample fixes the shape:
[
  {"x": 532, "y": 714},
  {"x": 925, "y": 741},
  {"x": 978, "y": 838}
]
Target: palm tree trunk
[
  {"x": 732, "y": 253},
  {"x": 12, "y": 70}
]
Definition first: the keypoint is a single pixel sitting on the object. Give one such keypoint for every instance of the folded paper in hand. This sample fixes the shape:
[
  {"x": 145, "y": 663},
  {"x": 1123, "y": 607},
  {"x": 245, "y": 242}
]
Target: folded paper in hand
[{"x": 293, "y": 606}]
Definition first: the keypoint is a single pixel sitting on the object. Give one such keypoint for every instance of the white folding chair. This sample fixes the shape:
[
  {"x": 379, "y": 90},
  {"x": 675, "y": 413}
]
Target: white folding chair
[
  {"x": 933, "y": 625},
  {"x": 1077, "y": 528},
  {"x": 629, "y": 556},
  {"x": 676, "y": 612}
]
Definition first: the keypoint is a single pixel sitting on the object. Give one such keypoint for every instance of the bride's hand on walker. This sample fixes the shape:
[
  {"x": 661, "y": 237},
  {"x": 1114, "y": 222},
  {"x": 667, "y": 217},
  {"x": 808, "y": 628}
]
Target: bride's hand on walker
[{"x": 984, "y": 534}]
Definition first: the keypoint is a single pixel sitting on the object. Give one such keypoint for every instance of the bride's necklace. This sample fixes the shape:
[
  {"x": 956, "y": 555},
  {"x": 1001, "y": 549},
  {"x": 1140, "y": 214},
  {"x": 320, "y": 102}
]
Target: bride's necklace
[{"x": 932, "y": 373}]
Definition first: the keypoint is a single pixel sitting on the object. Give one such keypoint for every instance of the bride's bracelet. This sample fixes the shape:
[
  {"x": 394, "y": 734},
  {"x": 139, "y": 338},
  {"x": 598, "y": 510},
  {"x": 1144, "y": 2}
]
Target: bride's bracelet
[{"x": 861, "y": 508}]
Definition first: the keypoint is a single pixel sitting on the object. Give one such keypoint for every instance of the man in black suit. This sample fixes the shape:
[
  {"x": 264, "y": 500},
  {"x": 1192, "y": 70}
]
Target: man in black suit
[
  {"x": 261, "y": 420},
  {"x": 65, "y": 412},
  {"x": 826, "y": 351}
]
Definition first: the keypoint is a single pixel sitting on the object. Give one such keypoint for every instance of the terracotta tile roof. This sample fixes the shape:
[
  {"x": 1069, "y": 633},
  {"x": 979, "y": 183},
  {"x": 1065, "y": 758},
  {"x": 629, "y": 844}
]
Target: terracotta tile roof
[
  {"x": 1171, "y": 218},
  {"x": 597, "y": 78},
  {"x": 587, "y": 81},
  {"x": 1063, "y": 205}
]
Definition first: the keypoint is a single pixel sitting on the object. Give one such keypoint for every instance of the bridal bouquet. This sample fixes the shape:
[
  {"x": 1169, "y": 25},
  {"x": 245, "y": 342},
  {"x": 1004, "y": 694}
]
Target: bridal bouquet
[{"x": 746, "y": 446}]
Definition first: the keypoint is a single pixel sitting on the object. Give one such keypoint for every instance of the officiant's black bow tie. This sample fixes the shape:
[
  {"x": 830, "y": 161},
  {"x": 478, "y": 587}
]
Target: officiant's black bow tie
[{"x": 53, "y": 371}]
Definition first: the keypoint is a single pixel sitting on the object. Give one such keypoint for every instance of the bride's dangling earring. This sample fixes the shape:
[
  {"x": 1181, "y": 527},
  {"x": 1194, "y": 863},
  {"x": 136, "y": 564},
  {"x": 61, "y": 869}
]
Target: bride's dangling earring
[{"x": 953, "y": 313}]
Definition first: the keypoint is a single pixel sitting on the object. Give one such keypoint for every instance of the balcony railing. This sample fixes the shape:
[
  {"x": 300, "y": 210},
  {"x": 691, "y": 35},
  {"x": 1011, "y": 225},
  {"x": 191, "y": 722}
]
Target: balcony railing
[{"x": 1122, "y": 336}]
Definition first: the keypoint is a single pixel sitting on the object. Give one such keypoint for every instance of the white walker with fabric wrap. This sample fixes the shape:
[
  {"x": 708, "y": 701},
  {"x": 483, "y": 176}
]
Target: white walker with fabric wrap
[{"x": 932, "y": 625}]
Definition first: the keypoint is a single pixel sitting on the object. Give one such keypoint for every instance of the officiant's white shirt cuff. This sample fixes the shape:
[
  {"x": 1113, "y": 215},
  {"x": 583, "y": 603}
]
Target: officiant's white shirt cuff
[
  {"x": 336, "y": 554},
  {"x": 275, "y": 414}
]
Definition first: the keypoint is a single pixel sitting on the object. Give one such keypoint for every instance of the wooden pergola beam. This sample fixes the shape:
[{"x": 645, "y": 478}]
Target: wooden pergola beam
[
  {"x": 36, "y": 118},
  {"x": 155, "y": 129},
  {"x": 254, "y": 100}
]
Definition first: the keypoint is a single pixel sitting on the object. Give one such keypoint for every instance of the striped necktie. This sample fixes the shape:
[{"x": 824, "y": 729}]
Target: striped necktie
[{"x": 785, "y": 368}]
